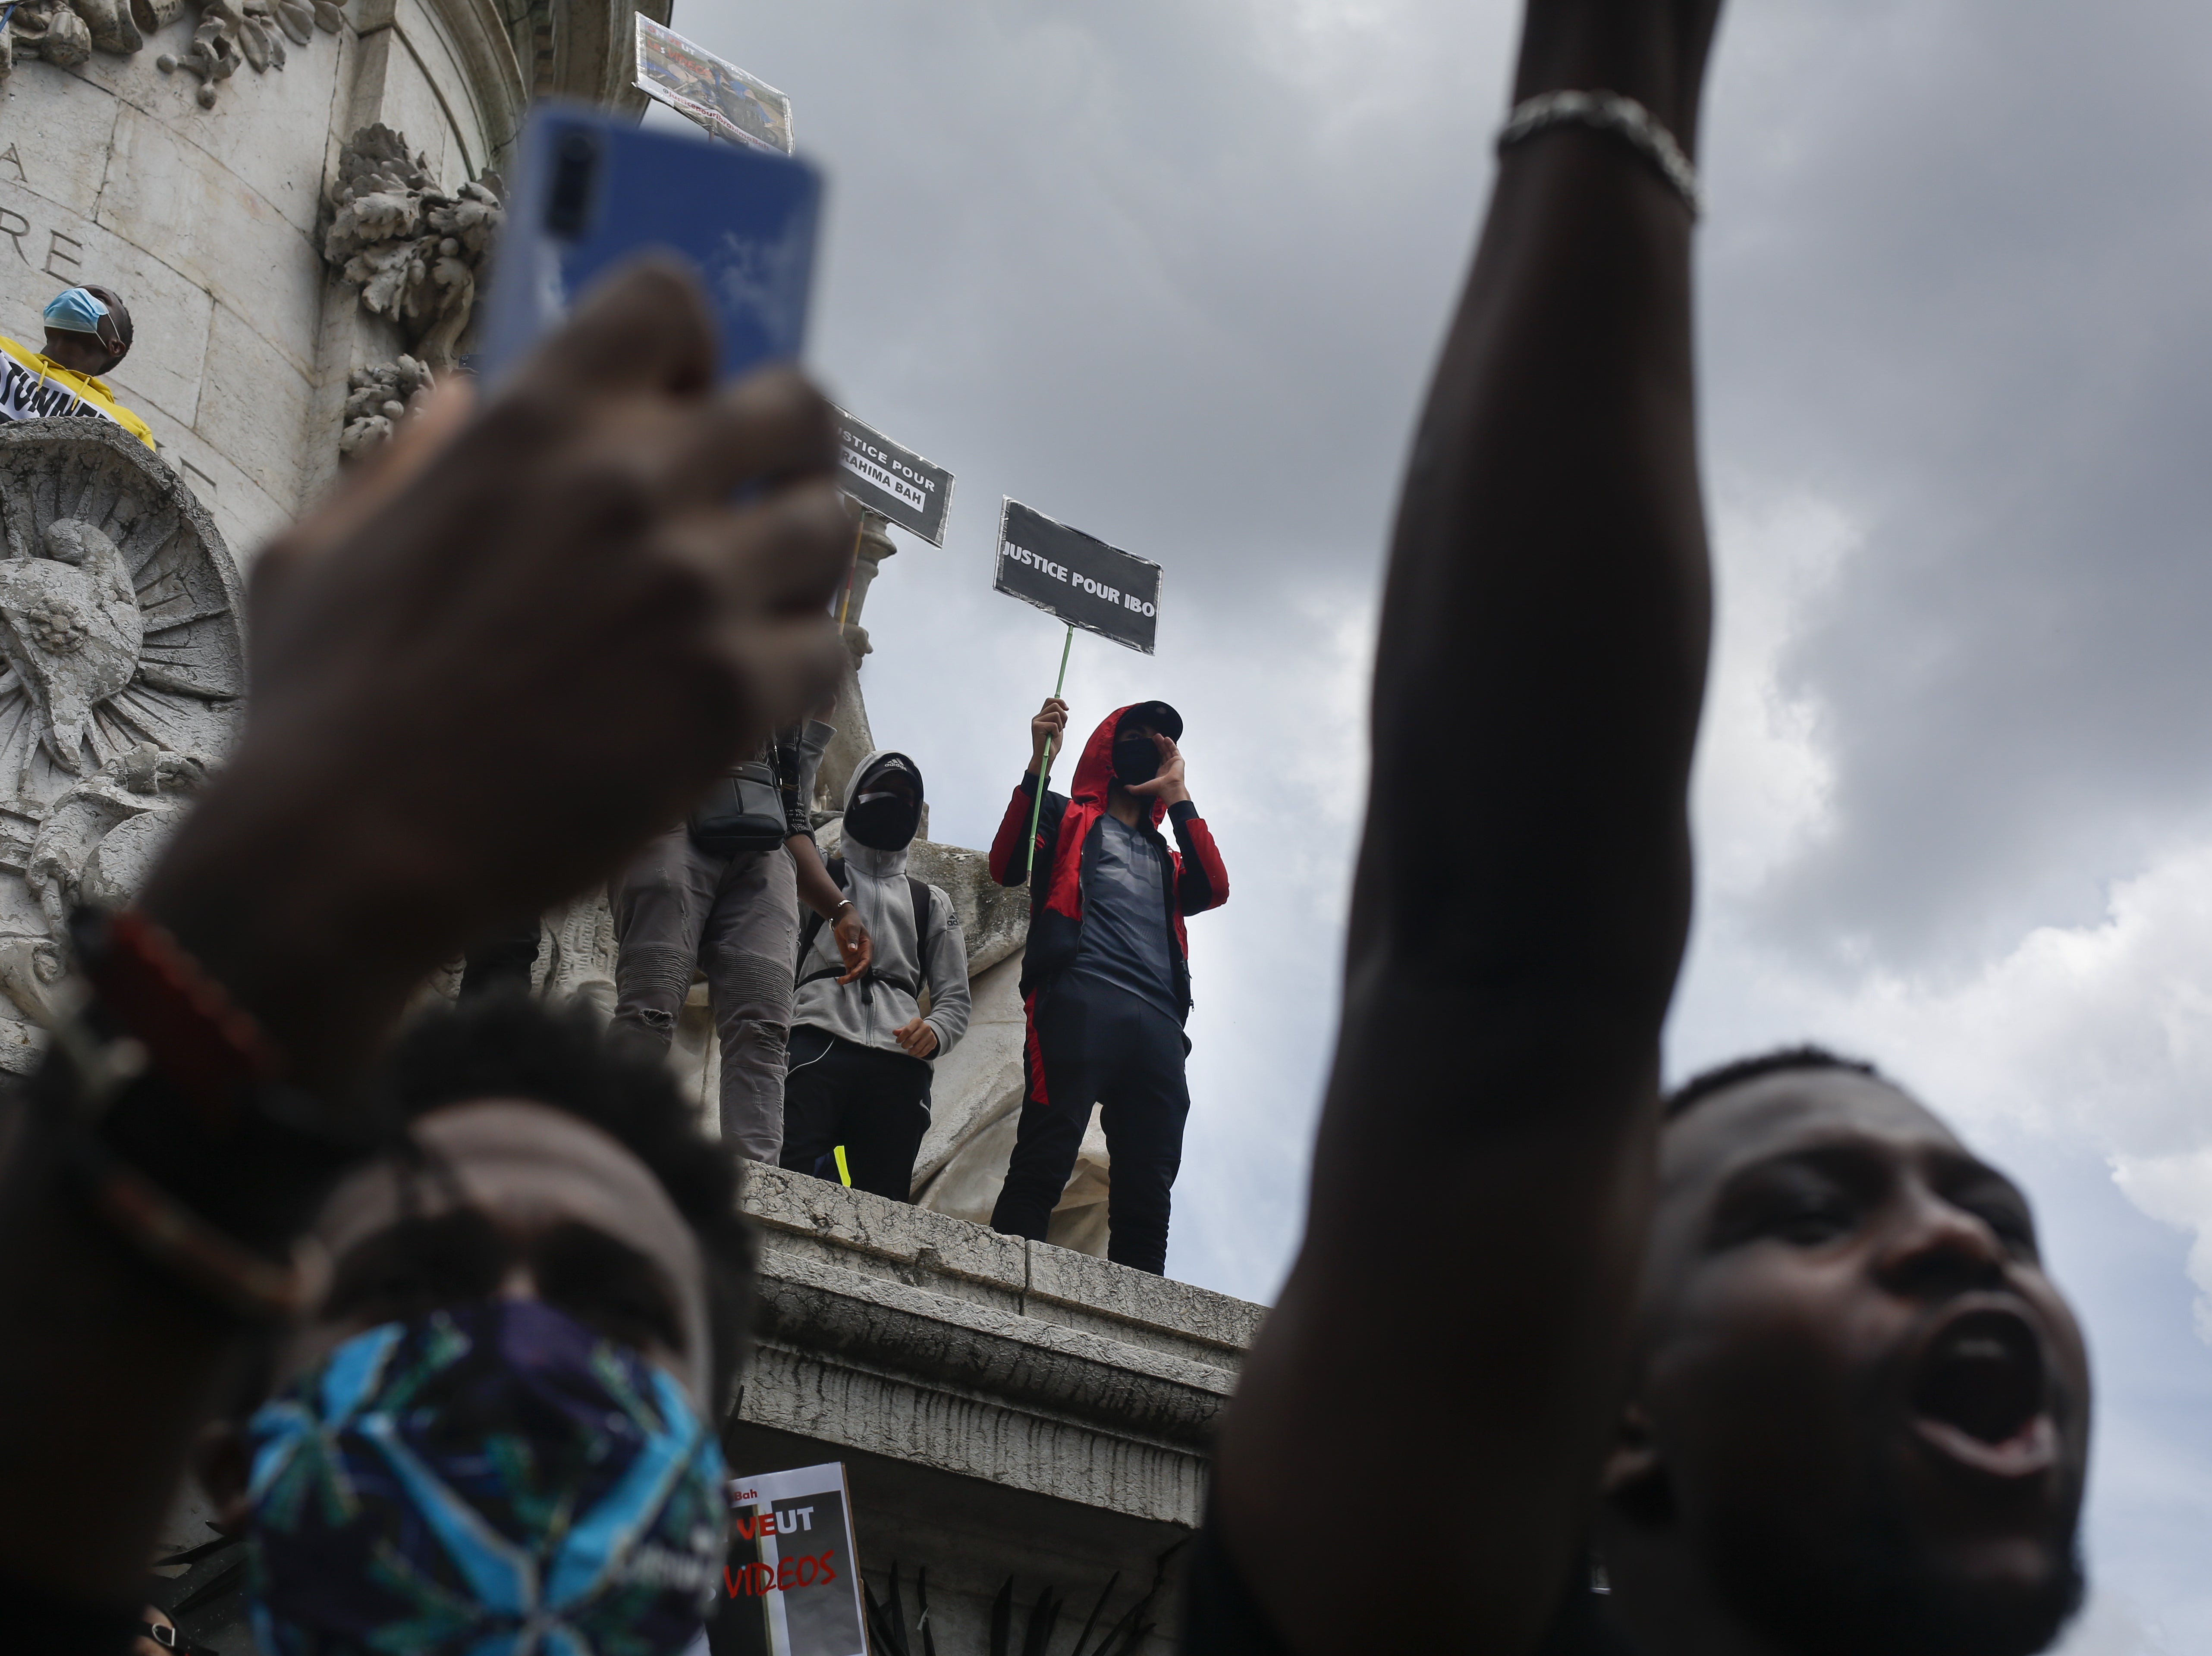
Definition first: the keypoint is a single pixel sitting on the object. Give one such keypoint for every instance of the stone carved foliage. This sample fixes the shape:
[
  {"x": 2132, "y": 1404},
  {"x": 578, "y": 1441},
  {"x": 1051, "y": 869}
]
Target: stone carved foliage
[
  {"x": 125, "y": 664},
  {"x": 376, "y": 400},
  {"x": 413, "y": 247},
  {"x": 226, "y": 35}
]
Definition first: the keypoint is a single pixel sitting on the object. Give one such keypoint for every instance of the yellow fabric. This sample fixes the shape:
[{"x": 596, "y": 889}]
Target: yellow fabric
[{"x": 29, "y": 380}]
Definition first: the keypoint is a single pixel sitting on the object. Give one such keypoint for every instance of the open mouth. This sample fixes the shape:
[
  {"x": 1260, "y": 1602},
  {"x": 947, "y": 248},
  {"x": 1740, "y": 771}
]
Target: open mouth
[{"x": 1983, "y": 1395}]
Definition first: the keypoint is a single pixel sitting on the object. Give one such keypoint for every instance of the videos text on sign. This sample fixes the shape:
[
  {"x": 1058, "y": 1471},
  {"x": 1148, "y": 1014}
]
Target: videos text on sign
[{"x": 751, "y": 1580}]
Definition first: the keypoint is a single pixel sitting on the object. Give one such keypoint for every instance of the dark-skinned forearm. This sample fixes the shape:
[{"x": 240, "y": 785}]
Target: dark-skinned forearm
[
  {"x": 281, "y": 889},
  {"x": 1520, "y": 906},
  {"x": 1548, "y": 588},
  {"x": 111, "y": 1368},
  {"x": 815, "y": 888}
]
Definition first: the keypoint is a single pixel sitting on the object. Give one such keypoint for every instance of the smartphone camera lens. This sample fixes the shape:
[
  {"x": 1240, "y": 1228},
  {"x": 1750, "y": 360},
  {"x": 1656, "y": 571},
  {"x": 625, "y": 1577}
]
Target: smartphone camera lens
[{"x": 576, "y": 169}]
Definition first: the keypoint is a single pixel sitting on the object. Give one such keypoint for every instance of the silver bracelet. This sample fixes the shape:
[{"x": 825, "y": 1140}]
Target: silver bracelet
[{"x": 1608, "y": 111}]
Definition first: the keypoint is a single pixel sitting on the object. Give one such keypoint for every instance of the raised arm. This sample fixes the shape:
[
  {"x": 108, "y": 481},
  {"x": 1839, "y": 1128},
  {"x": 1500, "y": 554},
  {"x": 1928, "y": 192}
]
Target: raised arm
[
  {"x": 1447, "y": 1343},
  {"x": 1011, "y": 850}
]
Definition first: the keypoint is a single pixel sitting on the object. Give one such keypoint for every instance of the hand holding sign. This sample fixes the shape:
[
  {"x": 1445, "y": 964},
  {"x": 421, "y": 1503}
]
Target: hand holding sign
[
  {"x": 1048, "y": 730},
  {"x": 1085, "y": 583}
]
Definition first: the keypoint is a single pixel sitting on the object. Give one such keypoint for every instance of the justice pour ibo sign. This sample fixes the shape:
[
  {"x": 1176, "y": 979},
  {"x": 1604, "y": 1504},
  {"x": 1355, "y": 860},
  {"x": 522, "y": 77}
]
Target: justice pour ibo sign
[{"x": 1077, "y": 577}]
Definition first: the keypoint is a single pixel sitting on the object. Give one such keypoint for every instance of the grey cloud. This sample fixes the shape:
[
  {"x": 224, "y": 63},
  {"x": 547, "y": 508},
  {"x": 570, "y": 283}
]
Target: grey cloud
[{"x": 1956, "y": 286}]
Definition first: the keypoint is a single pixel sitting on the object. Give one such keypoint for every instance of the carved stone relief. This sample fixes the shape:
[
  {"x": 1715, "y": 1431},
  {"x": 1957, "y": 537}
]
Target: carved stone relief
[
  {"x": 376, "y": 401},
  {"x": 411, "y": 246},
  {"x": 67, "y": 32},
  {"x": 124, "y": 666}
]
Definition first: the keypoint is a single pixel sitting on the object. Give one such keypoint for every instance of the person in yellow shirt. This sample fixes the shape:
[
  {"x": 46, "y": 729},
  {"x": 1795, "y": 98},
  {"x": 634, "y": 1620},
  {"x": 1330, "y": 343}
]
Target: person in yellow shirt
[{"x": 88, "y": 333}]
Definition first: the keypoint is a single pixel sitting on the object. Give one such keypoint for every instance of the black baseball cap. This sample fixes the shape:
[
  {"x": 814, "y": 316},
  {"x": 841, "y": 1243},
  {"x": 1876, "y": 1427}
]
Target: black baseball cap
[{"x": 1158, "y": 714}]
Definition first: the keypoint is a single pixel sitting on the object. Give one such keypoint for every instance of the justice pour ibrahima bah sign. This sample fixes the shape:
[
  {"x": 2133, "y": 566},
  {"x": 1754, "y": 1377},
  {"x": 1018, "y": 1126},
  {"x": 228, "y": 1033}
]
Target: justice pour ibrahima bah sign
[
  {"x": 1077, "y": 577},
  {"x": 897, "y": 482}
]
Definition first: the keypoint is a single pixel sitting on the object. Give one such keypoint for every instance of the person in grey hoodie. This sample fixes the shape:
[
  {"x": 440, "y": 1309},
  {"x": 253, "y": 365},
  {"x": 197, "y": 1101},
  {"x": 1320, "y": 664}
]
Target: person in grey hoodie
[{"x": 861, "y": 1051}]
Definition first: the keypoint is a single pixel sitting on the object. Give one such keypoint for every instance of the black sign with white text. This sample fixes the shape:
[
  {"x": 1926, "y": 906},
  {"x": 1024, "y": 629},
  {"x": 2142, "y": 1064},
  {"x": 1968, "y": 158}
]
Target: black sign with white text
[
  {"x": 897, "y": 482},
  {"x": 1077, "y": 577}
]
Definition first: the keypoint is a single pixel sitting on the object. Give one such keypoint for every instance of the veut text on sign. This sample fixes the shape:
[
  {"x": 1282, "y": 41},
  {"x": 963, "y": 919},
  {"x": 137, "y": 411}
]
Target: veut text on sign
[
  {"x": 915, "y": 493},
  {"x": 1077, "y": 577}
]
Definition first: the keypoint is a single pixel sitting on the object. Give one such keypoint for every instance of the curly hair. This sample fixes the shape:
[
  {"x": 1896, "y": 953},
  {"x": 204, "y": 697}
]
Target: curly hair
[
  {"x": 505, "y": 1044},
  {"x": 1805, "y": 1056}
]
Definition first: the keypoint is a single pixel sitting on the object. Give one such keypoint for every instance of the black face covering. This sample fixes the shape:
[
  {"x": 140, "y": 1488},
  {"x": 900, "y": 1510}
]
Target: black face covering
[
  {"x": 885, "y": 821},
  {"x": 1135, "y": 760}
]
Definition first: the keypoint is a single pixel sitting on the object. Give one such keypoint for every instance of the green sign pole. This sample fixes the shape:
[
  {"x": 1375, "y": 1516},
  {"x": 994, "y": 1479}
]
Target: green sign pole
[{"x": 1037, "y": 811}]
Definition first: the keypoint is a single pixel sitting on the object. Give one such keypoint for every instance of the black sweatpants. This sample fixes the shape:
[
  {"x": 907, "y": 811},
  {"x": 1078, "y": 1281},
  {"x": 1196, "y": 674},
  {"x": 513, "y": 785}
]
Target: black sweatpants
[
  {"x": 1102, "y": 1045},
  {"x": 874, "y": 1103}
]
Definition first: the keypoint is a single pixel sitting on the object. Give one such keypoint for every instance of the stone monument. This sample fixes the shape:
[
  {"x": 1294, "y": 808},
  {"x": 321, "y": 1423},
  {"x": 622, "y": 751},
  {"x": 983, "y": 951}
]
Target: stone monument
[{"x": 294, "y": 198}]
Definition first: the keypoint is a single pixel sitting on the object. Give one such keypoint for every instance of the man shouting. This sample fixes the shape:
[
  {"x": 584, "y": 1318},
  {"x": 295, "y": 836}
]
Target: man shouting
[{"x": 1106, "y": 975}]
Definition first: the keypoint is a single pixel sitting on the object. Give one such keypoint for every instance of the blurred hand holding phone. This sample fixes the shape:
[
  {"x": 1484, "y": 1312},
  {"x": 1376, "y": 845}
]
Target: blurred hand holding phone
[{"x": 592, "y": 191}]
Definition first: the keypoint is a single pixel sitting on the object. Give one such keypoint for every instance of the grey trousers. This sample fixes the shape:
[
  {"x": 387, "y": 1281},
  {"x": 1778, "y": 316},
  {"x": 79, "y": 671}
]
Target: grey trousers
[{"x": 678, "y": 907}]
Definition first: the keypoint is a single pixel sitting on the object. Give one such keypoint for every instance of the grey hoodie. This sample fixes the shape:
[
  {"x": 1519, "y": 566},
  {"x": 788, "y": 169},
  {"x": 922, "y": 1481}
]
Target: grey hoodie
[{"x": 875, "y": 881}]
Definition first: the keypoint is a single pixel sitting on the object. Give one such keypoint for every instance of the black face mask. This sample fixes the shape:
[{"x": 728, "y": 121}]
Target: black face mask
[
  {"x": 884, "y": 821},
  {"x": 1135, "y": 760}
]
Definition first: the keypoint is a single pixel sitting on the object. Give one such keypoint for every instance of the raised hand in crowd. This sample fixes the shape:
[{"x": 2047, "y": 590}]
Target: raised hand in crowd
[
  {"x": 488, "y": 669},
  {"x": 483, "y": 673},
  {"x": 1546, "y": 620}
]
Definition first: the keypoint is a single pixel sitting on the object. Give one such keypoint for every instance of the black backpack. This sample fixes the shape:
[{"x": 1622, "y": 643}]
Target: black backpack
[{"x": 812, "y": 929}]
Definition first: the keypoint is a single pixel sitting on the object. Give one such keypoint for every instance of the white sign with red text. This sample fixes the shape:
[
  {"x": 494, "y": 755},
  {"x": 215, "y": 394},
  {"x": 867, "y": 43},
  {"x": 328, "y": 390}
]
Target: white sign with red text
[{"x": 791, "y": 1563}]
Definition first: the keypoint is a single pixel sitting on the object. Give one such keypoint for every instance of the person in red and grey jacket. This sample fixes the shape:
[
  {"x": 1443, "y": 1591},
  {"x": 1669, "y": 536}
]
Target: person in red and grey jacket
[{"x": 1106, "y": 975}]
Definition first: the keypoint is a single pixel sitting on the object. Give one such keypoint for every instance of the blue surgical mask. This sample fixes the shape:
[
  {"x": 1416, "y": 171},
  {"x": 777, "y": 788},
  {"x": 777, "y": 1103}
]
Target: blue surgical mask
[
  {"x": 491, "y": 1480},
  {"x": 75, "y": 311}
]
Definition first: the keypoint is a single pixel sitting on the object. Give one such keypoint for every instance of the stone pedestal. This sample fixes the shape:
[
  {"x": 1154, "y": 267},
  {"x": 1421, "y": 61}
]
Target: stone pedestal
[{"x": 1005, "y": 1409}]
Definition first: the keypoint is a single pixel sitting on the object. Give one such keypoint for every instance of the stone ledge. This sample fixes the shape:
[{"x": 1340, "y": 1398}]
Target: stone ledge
[
  {"x": 1085, "y": 1292},
  {"x": 895, "y": 1331},
  {"x": 800, "y": 1216},
  {"x": 972, "y": 1436},
  {"x": 859, "y": 1231},
  {"x": 1010, "y": 1358}
]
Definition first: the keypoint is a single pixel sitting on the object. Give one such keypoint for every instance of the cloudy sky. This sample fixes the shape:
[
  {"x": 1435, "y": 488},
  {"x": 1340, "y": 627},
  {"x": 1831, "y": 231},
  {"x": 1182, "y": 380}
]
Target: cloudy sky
[{"x": 1173, "y": 273}]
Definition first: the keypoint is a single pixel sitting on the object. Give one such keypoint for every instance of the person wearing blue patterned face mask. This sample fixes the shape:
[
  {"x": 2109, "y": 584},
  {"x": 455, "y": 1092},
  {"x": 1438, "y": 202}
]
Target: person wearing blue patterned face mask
[
  {"x": 496, "y": 1432},
  {"x": 88, "y": 333}
]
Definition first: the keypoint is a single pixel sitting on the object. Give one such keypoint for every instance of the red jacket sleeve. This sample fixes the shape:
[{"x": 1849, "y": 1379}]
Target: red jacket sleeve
[
  {"x": 1205, "y": 881},
  {"x": 1008, "y": 867}
]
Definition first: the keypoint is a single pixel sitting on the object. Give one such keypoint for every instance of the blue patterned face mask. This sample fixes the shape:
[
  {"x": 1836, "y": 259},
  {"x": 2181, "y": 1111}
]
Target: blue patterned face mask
[
  {"x": 492, "y": 1480},
  {"x": 75, "y": 311}
]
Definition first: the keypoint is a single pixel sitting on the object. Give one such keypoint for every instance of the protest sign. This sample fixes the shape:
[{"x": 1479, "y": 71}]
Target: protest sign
[
  {"x": 713, "y": 91},
  {"x": 791, "y": 1586},
  {"x": 897, "y": 482},
  {"x": 1077, "y": 577}
]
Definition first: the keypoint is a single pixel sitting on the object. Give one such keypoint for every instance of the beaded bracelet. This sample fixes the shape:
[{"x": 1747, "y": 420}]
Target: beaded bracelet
[{"x": 181, "y": 1126}]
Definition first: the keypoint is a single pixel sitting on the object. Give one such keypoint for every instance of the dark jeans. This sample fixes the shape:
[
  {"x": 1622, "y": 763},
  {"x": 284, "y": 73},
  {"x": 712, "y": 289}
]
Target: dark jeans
[
  {"x": 874, "y": 1103},
  {"x": 1101, "y": 1046}
]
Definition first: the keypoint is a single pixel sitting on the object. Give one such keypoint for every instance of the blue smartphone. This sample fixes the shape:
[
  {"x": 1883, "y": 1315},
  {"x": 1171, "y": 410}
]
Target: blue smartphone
[{"x": 591, "y": 192}]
